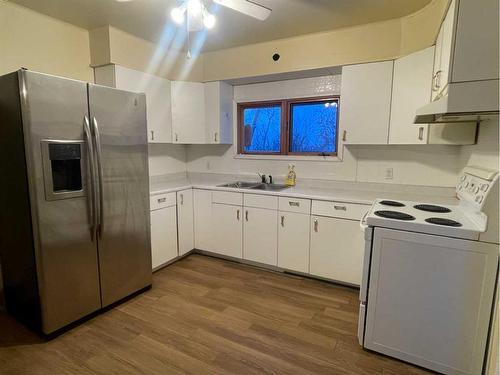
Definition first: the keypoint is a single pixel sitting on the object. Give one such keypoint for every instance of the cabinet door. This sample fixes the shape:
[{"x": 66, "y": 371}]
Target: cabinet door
[
  {"x": 448, "y": 31},
  {"x": 260, "y": 236},
  {"x": 158, "y": 108},
  {"x": 185, "y": 221},
  {"x": 437, "y": 64},
  {"x": 227, "y": 230},
  {"x": 202, "y": 200},
  {"x": 337, "y": 247},
  {"x": 293, "y": 241},
  {"x": 411, "y": 89},
  {"x": 188, "y": 112},
  {"x": 219, "y": 112},
  {"x": 163, "y": 236},
  {"x": 365, "y": 103}
]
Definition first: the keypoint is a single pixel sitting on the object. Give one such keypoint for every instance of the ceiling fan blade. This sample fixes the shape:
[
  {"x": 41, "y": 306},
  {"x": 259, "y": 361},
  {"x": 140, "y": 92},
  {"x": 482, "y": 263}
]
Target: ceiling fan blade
[{"x": 246, "y": 7}]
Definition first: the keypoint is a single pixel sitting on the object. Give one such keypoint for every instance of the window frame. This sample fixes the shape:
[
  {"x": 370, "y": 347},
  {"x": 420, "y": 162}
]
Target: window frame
[{"x": 285, "y": 125}]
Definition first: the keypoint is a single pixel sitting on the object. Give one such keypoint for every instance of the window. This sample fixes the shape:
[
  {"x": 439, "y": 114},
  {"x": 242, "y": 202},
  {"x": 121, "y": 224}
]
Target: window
[{"x": 289, "y": 127}]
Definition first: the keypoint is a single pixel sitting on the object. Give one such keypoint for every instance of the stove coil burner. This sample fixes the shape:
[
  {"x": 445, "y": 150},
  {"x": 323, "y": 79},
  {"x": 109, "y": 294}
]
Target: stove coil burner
[
  {"x": 394, "y": 215},
  {"x": 442, "y": 221},
  {"x": 432, "y": 208},
  {"x": 392, "y": 203}
]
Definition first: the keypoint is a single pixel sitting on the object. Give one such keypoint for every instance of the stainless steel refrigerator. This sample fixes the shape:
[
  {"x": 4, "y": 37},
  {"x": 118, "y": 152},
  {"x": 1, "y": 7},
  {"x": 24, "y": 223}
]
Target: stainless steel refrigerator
[{"x": 74, "y": 198}]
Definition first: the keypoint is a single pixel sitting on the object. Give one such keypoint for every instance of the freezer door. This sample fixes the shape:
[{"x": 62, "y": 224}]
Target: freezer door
[
  {"x": 119, "y": 126},
  {"x": 430, "y": 299},
  {"x": 54, "y": 112}
]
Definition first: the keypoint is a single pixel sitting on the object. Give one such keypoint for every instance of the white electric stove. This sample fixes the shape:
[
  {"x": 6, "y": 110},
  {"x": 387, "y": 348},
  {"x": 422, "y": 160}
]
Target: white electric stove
[{"x": 429, "y": 277}]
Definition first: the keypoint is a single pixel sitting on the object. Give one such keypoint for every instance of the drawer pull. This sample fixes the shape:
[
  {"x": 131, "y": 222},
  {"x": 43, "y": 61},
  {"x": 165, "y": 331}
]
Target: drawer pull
[
  {"x": 238, "y": 215},
  {"x": 340, "y": 208},
  {"x": 315, "y": 225},
  {"x": 162, "y": 200},
  {"x": 294, "y": 204},
  {"x": 282, "y": 221}
]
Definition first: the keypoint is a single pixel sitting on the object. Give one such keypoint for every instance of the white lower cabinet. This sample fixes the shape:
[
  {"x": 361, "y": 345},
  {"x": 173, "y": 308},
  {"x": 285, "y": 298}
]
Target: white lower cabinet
[
  {"x": 185, "y": 221},
  {"x": 227, "y": 230},
  {"x": 163, "y": 235},
  {"x": 293, "y": 241},
  {"x": 202, "y": 200},
  {"x": 336, "y": 249},
  {"x": 260, "y": 236}
]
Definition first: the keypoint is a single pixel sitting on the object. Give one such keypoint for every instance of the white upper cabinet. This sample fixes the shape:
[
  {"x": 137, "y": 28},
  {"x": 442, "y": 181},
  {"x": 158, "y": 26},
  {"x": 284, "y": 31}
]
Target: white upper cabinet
[
  {"x": 365, "y": 103},
  {"x": 444, "y": 43},
  {"x": 188, "y": 112},
  {"x": 219, "y": 112},
  {"x": 411, "y": 88},
  {"x": 467, "y": 46},
  {"x": 157, "y": 90}
]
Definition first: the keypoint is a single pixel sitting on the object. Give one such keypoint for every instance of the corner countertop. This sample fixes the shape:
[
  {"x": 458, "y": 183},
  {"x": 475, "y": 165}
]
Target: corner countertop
[{"x": 348, "y": 192}]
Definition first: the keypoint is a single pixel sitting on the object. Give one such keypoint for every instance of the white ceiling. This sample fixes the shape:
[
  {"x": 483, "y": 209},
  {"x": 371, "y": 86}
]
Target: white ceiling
[{"x": 149, "y": 18}]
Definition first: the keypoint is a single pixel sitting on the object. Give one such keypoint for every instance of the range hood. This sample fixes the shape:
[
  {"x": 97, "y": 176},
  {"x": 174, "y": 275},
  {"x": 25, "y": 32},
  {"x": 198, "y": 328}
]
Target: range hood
[{"x": 472, "y": 101}]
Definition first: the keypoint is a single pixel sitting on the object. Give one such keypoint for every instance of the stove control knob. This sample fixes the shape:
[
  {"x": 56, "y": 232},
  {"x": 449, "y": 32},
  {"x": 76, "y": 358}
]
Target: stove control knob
[
  {"x": 476, "y": 190},
  {"x": 484, "y": 187},
  {"x": 463, "y": 177},
  {"x": 479, "y": 199},
  {"x": 466, "y": 184}
]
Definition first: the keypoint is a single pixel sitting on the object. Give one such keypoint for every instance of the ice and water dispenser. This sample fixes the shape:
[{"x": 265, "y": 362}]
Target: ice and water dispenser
[{"x": 63, "y": 169}]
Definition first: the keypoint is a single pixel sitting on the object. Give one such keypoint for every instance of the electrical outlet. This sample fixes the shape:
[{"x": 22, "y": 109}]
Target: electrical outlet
[{"x": 389, "y": 173}]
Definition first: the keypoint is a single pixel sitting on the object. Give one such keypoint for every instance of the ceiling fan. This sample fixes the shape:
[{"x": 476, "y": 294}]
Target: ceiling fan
[{"x": 198, "y": 15}]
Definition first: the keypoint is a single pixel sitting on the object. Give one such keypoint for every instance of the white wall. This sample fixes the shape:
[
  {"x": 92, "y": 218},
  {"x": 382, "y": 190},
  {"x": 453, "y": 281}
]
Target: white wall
[
  {"x": 485, "y": 152},
  {"x": 166, "y": 159},
  {"x": 419, "y": 165}
]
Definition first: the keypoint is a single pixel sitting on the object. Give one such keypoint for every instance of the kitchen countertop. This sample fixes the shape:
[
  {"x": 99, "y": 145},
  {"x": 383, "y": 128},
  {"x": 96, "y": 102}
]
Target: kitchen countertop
[{"x": 348, "y": 192}]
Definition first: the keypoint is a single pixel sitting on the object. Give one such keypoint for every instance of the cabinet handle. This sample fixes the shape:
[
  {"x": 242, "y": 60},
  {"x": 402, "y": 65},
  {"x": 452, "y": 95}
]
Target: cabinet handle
[
  {"x": 238, "y": 215},
  {"x": 215, "y": 137},
  {"x": 152, "y": 135},
  {"x": 282, "y": 221},
  {"x": 176, "y": 137},
  {"x": 162, "y": 200},
  {"x": 421, "y": 133},
  {"x": 344, "y": 135},
  {"x": 315, "y": 225},
  {"x": 293, "y": 204},
  {"x": 433, "y": 84},
  {"x": 340, "y": 208},
  {"x": 182, "y": 199},
  {"x": 438, "y": 79},
  {"x": 246, "y": 215}
]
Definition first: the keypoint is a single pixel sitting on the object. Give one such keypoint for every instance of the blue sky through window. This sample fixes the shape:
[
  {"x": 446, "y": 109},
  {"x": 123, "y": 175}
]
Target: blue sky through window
[
  {"x": 314, "y": 127},
  {"x": 262, "y": 129}
]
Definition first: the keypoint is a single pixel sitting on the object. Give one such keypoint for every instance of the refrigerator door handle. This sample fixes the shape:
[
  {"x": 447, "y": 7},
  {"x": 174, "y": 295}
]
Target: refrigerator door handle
[
  {"x": 100, "y": 214},
  {"x": 91, "y": 189}
]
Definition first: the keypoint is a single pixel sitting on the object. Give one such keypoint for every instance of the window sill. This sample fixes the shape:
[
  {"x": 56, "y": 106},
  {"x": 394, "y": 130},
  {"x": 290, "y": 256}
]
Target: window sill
[{"x": 288, "y": 157}]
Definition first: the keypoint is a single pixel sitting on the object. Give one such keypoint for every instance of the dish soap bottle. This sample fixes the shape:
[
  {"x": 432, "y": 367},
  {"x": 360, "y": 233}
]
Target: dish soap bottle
[{"x": 291, "y": 176}]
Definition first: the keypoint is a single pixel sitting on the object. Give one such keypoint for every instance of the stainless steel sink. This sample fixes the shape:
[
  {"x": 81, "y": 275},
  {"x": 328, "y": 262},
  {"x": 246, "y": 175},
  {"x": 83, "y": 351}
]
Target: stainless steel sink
[
  {"x": 255, "y": 186},
  {"x": 241, "y": 185},
  {"x": 270, "y": 187}
]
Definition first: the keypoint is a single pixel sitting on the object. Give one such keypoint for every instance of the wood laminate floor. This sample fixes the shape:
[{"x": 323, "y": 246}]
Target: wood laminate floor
[{"x": 209, "y": 316}]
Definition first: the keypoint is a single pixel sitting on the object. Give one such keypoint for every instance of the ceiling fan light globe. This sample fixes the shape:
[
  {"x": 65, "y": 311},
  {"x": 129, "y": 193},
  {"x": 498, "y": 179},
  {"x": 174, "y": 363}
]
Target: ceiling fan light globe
[
  {"x": 177, "y": 15},
  {"x": 194, "y": 7},
  {"x": 209, "y": 21}
]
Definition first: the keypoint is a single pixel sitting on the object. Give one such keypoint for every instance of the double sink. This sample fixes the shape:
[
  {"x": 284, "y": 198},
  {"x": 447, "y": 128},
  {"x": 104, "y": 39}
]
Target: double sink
[{"x": 255, "y": 186}]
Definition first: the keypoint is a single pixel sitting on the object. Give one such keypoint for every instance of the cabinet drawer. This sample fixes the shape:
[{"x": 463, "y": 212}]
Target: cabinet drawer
[
  {"x": 352, "y": 211},
  {"x": 225, "y": 197},
  {"x": 261, "y": 201},
  {"x": 162, "y": 201},
  {"x": 302, "y": 206}
]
